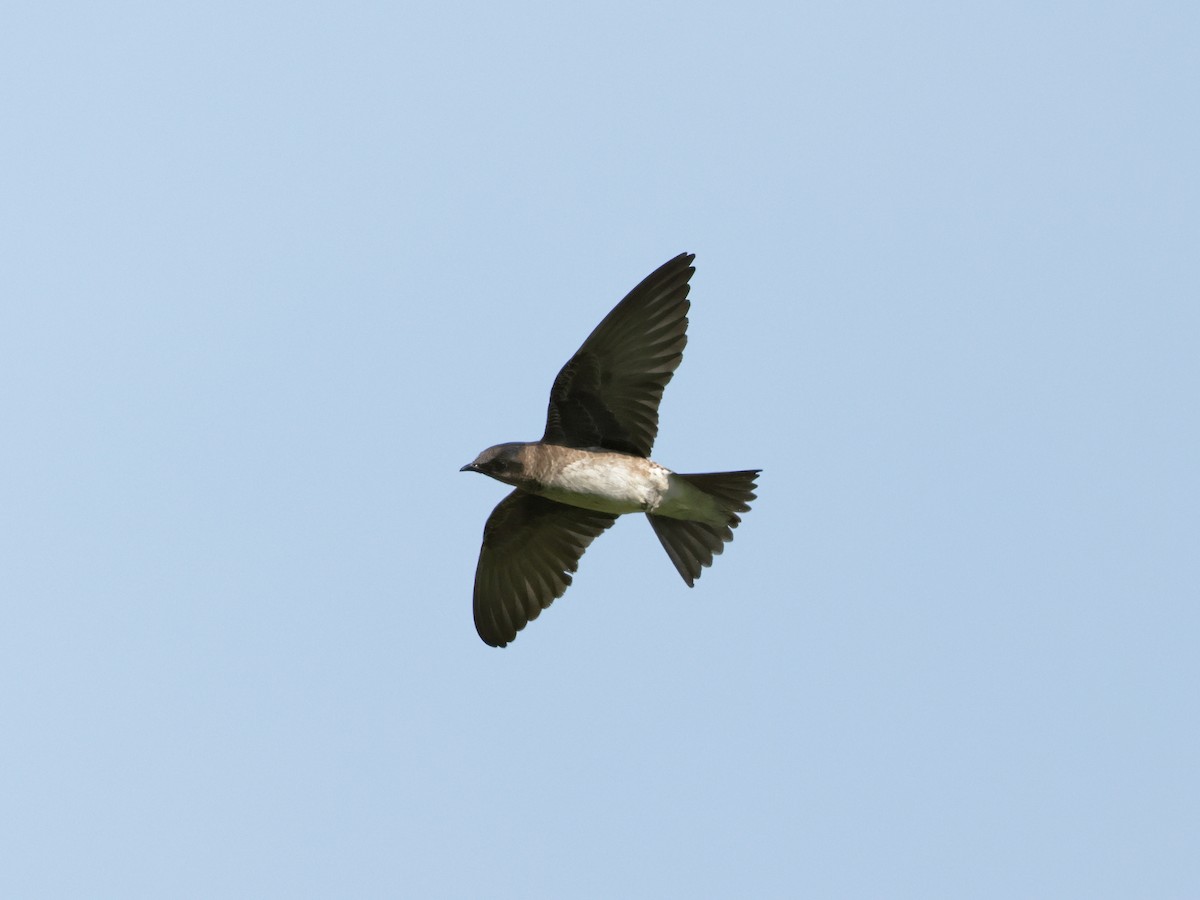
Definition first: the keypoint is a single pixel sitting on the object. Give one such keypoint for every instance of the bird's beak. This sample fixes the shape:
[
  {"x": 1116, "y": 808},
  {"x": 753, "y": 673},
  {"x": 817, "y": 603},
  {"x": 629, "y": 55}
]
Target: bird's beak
[{"x": 469, "y": 467}]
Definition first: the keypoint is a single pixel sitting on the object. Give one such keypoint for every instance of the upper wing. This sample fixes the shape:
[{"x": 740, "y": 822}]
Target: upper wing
[
  {"x": 530, "y": 547},
  {"x": 607, "y": 394}
]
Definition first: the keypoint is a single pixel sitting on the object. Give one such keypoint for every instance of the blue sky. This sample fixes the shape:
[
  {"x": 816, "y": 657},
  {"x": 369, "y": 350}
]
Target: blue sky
[{"x": 273, "y": 272}]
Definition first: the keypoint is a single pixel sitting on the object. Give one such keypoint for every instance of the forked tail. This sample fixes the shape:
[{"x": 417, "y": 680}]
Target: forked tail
[{"x": 692, "y": 545}]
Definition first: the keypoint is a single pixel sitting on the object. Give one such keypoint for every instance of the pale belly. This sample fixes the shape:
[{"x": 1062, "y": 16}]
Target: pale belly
[
  {"x": 618, "y": 484},
  {"x": 609, "y": 483}
]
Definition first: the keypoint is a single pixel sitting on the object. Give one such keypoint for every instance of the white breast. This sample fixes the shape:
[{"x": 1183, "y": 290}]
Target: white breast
[{"x": 608, "y": 482}]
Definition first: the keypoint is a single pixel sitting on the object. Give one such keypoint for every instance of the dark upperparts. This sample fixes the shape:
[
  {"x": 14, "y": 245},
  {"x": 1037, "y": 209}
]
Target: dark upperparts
[{"x": 607, "y": 395}]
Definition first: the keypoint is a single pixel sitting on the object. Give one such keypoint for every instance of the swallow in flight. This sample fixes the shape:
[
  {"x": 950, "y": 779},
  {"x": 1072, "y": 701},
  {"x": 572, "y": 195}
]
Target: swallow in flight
[{"x": 593, "y": 464}]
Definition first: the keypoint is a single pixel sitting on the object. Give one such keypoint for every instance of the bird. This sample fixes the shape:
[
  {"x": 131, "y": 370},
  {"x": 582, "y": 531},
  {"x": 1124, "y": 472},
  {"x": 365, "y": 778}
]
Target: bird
[{"x": 593, "y": 465}]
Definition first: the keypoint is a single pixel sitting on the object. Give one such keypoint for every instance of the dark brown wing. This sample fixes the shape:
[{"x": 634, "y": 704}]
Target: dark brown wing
[
  {"x": 607, "y": 394},
  {"x": 531, "y": 546}
]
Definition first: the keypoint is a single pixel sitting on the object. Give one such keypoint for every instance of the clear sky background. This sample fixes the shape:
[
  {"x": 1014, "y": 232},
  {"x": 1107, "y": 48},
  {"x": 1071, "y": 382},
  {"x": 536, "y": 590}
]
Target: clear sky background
[{"x": 272, "y": 273}]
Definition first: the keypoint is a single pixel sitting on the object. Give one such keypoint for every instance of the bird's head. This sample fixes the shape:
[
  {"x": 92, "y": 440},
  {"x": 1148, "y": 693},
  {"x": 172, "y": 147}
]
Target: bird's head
[{"x": 504, "y": 462}]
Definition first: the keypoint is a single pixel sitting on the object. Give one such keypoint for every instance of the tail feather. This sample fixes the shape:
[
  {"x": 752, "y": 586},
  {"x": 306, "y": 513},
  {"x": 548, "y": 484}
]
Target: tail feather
[{"x": 692, "y": 545}]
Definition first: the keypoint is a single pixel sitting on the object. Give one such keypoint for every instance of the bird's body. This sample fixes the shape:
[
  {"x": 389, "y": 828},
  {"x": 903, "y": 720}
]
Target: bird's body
[
  {"x": 610, "y": 482},
  {"x": 593, "y": 464},
  {"x": 607, "y": 482}
]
